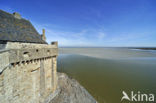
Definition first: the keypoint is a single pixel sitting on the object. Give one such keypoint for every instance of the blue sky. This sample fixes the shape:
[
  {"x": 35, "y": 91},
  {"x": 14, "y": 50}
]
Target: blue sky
[{"x": 90, "y": 22}]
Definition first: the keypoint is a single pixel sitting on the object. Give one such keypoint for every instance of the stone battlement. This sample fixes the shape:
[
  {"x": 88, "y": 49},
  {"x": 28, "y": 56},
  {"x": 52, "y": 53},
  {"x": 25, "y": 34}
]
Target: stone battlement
[
  {"x": 28, "y": 72},
  {"x": 15, "y": 53}
]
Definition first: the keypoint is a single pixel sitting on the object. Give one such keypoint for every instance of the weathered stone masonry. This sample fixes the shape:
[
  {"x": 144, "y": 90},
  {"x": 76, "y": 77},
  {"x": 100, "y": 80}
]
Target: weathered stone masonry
[{"x": 27, "y": 72}]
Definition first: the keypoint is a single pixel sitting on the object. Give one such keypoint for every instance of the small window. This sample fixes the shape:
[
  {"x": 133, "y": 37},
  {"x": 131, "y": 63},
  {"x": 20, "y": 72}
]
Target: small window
[
  {"x": 26, "y": 54},
  {"x": 48, "y": 52},
  {"x": 37, "y": 50}
]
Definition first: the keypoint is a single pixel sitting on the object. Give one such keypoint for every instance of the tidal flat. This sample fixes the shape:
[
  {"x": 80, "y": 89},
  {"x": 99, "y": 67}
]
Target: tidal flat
[{"x": 106, "y": 72}]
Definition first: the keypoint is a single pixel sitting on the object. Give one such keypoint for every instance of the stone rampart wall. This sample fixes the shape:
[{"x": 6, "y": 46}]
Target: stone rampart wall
[{"x": 28, "y": 74}]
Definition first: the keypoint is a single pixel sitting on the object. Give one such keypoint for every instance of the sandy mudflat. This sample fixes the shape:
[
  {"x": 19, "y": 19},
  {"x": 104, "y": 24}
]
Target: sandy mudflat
[
  {"x": 109, "y": 53},
  {"x": 70, "y": 91}
]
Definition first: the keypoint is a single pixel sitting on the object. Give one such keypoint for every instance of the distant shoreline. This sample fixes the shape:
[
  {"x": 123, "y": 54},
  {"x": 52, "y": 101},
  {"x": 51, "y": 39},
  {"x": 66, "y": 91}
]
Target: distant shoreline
[
  {"x": 146, "y": 48},
  {"x": 109, "y": 53},
  {"x": 143, "y": 48}
]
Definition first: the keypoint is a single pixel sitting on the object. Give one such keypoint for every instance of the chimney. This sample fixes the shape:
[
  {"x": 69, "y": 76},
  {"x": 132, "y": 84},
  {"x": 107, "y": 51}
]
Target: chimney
[
  {"x": 17, "y": 15},
  {"x": 43, "y": 35}
]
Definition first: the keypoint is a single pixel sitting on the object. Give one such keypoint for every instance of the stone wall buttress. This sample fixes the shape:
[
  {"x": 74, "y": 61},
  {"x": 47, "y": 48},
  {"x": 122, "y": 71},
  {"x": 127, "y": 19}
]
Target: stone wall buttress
[
  {"x": 54, "y": 73},
  {"x": 42, "y": 78}
]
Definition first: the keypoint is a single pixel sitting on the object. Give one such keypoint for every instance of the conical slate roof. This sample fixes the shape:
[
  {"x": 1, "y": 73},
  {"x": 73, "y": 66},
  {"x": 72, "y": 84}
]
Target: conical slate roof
[{"x": 17, "y": 29}]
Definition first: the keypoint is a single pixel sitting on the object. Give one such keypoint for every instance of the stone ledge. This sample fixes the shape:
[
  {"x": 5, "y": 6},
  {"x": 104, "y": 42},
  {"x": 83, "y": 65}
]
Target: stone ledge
[{"x": 18, "y": 55}]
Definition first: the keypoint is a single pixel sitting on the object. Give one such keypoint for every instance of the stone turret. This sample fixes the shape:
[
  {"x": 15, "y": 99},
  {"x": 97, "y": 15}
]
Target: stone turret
[{"x": 43, "y": 35}]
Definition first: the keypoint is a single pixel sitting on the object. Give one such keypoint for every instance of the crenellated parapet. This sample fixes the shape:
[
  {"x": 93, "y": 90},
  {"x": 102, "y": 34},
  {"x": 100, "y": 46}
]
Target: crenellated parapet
[
  {"x": 16, "y": 53},
  {"x": 29, "y": 71}
]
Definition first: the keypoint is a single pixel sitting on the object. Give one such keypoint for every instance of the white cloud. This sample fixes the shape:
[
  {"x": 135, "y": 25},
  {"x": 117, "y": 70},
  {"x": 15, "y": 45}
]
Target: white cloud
[
  {"x": 101, "y": 35},
  {"x": 85, "y": 37},
  {"x": 91, "y": 37}
]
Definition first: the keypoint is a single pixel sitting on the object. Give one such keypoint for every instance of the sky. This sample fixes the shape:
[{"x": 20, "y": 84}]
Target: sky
[{"x": 106, "y": 23}]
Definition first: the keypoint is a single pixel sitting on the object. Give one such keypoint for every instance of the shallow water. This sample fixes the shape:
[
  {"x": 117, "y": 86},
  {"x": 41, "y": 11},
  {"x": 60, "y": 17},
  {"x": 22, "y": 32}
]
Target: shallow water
[{"x": 105, "y": 79}]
